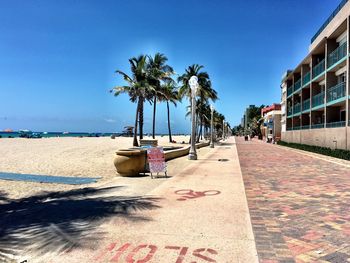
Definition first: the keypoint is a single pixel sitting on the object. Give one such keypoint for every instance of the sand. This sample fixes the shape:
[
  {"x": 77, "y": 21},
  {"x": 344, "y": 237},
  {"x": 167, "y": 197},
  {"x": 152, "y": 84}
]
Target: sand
[
  {"x": 86, "y": 157},
  {"x": 44, "y": 218}
]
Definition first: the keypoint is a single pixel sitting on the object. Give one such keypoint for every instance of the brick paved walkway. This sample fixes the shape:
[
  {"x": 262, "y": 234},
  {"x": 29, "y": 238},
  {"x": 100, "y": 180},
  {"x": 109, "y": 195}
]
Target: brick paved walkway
[{"x": 299, "y": 205}]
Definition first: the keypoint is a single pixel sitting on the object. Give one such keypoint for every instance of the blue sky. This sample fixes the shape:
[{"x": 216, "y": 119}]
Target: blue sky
[{"x": 58, "y": 58}]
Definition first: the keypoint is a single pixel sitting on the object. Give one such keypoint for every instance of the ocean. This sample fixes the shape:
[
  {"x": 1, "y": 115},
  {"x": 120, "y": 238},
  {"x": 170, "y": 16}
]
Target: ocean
[{"x": 58, "y": 134}]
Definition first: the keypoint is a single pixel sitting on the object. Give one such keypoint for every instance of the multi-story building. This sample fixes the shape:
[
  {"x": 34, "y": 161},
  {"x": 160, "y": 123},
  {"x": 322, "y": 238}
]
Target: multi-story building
[
  {"x": 283, "y": 102},
  {"x": 243, "y": 121},
  {"x": 317, "y": 99},
  {"x": 271, "y": 130},
  {"x": 246, "y": 116}
]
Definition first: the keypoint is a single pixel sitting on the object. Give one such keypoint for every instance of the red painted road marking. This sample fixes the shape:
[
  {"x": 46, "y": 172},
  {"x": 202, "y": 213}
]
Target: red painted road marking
[
  {"x": 120, "y": 251},
  {"x": 183, "y": 252},
  {"x": 103, "y": 253},
  {"x": 142, "y": 249},
  {"x": 190, "y": 194},
  {"x": 147, "y": 258},
  {"x": 197, "y": 253}
]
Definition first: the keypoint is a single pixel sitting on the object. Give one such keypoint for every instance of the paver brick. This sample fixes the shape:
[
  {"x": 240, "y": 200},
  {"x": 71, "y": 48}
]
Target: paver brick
[{"x": 299, "y": 202}]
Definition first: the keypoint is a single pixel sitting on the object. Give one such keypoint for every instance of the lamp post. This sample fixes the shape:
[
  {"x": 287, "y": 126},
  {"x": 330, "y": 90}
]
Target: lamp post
[
  {"x": 212, "y": 127},
  {"x": 193, "y": 82}
]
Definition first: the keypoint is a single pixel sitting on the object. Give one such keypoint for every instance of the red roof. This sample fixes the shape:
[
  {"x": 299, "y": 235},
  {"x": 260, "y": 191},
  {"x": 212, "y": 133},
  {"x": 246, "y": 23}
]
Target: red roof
[{"x": 267, "y": 109}]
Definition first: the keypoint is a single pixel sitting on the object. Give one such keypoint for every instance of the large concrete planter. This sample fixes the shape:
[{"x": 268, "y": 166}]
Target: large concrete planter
[
  {"x": 202, "y": 144},
  {"x": 172, "y": 154},
  {"x": 130, "y": 162},
  {"x": 133, "y": 161},
  {"x": 176, "y": 153}
]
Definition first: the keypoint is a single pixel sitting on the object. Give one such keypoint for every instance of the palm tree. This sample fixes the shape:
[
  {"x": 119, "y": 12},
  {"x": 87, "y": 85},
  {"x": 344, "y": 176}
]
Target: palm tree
[
  {"x": 158, "y": 71},
  {"x": 205, "y": 120},
  {"x": 170, "y": 94},
  {"x": 218, "y": 120},
  {"x": 203, "y": 113},
  {"x": 200, "y": 113},
  {"x": 137, "y": 89},
  {"x": 205, "y": 91}
]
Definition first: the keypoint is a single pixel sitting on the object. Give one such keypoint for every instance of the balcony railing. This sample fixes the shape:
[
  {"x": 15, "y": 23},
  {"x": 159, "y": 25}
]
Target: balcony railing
[
  {"x": 318, "y": 69},
  {"x": 329, "y": 19},
  {"x": 296, "y": 128},
  {"x": 290, "y": 112},
  {"x": 337, "y": 55},
  {"x": 289, "y": 128},
  {"x": 336, "y": 124},
  {"x": 306, "y": 104},
  {"x": 318, "y": 100},
  {"x": 317, "y": 126},
  {"x": 290, "y": 90},
  {"x": 297, "y": 85},
  {"x": 306, "y": 78},
  {"x": 305, "y": 127},
  {"x": 297, "y": 108},
  {"x": 336, "y": 92}
]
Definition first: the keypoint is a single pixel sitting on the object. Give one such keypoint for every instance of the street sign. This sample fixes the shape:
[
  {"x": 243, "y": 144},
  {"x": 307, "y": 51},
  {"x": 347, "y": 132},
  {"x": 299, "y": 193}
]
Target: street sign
[{"x": 156, "y": 160}]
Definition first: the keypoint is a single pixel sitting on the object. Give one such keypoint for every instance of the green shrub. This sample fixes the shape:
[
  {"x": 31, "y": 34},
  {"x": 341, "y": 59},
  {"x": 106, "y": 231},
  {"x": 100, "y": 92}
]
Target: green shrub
[{"x": 337, "y": 153}]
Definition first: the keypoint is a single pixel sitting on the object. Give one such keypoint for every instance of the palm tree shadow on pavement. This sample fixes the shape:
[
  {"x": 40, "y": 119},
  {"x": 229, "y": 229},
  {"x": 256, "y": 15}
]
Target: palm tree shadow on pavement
[
  {"x": 225, "y": 143},
  {"x": 61, "y": 221}
]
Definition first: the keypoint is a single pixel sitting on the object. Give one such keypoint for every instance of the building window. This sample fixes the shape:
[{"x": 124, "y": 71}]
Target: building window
[
  {"x": 342, "y": 78},
  {"x": 342, "y": 115}
]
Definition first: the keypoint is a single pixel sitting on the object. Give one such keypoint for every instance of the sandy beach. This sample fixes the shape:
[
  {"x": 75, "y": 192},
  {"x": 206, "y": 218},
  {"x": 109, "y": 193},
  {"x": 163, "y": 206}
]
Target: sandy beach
[
  {"x": 62, "y": 204},
  {"x": 84, "y": 157}
]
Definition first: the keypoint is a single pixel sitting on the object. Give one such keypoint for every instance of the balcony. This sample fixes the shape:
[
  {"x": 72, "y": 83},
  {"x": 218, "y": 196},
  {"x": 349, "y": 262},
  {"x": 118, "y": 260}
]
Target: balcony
[
  {"x": 290, "y": 90},
  {"x": 317, "y": 126},
  {"x": 297, "y": 108},
  {"x": 336, "y": 92},
  {"x": 306, "y": 104},
  {"x": 296, "y": 128},
  {"x": 318, "y": 100},
  {"x": 305, "y": 127},
  {"x": 337, "y": 55},
  {"x": 306, "y": 78},
  {"x": 336, "y": 124},
  {"x": 318, "y": 69},
  {"x": 329, "y": 19},
  {"x": 297, "y": 85},
  {"x": 289, "y": 128}
]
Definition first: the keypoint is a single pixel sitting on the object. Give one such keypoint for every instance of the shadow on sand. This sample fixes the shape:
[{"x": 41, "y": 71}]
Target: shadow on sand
[{"x": 61, "y": 221}]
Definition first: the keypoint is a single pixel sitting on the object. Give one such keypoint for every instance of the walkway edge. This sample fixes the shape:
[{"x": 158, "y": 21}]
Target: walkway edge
[
  {"x": 253, "y": 248},
  {"x": 318, "y": 156}
]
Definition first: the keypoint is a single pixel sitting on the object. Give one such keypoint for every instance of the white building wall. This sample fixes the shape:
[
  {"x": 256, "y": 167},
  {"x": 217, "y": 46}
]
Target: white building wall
[{"x": 283, "y": 107}]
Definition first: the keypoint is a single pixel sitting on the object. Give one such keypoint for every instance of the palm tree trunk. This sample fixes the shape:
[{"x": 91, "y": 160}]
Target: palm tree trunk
[
  {"x": 135, "y": 143},
  {"x": 198, "y": 128},
  {"x": 189, "y": 142},
  {"x": 154, "y": 117},
  {"x": 141, "y": 100},
  {"x": 169, "y": 128}
]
